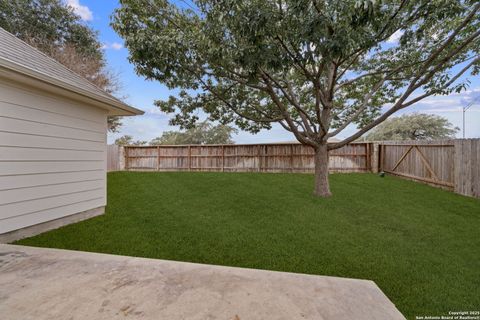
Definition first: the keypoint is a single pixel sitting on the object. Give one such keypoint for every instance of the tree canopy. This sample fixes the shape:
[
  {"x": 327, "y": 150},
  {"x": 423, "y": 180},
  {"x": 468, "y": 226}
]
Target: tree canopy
[
  {"x": 53, "y": 27},
  {"x": 201, "y": 133},
  {"x": 312, "y": 66},
  {"x": 415, "y": 126},
  {"x": 47, "y": 23}
]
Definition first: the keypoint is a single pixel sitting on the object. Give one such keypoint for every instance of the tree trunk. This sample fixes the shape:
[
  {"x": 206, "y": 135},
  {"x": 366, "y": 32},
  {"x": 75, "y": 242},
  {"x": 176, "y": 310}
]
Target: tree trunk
[{"x": 322, "y": 187}]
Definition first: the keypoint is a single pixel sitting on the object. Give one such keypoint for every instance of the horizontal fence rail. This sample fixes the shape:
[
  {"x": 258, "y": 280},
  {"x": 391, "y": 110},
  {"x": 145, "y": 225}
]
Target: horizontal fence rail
[{"x": 244, "y": 158}]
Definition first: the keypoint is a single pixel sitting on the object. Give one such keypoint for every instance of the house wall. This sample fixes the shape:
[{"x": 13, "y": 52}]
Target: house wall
[{"x": 52, "y": 157}]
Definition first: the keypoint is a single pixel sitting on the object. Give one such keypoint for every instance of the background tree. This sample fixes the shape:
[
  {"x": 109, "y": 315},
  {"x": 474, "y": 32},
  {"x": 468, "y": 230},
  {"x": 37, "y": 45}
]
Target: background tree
[
  {"x": 313, "y": 66},
  {"x": 201, "y": 133},
  {"x": 127, "y": 140},
  {"x": 53, "y": 27},
  {"x": 415, "y": 126}
]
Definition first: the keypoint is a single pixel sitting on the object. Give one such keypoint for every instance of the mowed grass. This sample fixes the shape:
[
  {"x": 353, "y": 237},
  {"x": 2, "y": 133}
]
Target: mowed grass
[{"x": 421, "y": 245}]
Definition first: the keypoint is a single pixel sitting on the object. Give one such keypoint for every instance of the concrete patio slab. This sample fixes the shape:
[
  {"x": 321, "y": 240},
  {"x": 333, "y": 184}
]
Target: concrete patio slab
[{"x": 38, "y": 283}]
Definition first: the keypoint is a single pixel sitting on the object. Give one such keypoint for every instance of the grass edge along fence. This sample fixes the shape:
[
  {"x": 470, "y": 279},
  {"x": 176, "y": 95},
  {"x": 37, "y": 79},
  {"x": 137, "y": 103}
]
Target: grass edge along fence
[{"x": 449, "y": 164}]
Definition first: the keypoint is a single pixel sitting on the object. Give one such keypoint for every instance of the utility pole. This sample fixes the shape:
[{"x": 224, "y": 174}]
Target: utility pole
[{"x": 465, "y": 109}]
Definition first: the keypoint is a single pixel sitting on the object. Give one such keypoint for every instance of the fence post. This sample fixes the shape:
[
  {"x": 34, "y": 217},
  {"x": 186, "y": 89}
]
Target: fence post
[
  {"x": 457, "y": 164},
  {"x": 368, "y": 161},
  {"x": 381, "y": 152},
  {"x": 223, "y": 158},
  {"x": 259, "y": 159},
  {"x": 158, "y": 158},
  {"x": 374, "y": 163},
  {"x": 189, "y": 158},
  {"x": 121, "y": 158},
  {"x": 264, "y": 157},
  {"x": 461, "y": 166},
  {"x": 127, "y": 165},
  {"x": 291, "y": 158},
  {"x": 384, "y": 154}
]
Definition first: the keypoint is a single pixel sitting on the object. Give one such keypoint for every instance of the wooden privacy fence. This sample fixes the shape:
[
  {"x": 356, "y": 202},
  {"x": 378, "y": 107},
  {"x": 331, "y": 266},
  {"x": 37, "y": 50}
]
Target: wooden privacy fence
[
  {"x": 449, "y": 164},
  {"x": 244, "y": 158}
]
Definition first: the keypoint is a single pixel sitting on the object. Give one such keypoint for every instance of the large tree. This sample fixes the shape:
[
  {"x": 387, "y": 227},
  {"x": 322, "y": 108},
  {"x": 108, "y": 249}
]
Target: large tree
[
  {"x": 313, "y": 66},
  {"x": 53, "y": 27},
  {"x": 202, "y": 133},
  {"x": 416, "y": 126}
]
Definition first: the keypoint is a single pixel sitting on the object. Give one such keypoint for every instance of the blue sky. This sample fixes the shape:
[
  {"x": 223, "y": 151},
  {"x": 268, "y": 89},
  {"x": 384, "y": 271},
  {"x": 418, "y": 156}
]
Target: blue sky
[{"x": 141, "y": 93}]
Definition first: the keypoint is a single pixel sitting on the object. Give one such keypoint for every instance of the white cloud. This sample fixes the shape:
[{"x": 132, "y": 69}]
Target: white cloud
[
  {"x": 155, "y": 111},
  {"x": 114, "y": 46},
  {"x": 145, "y": 127},
  {"x": 442, "y": 110},
  {"x": 395, "y": 36},
  {"x": 439, "y": 101},
  {"x": 83, "y": 11}
]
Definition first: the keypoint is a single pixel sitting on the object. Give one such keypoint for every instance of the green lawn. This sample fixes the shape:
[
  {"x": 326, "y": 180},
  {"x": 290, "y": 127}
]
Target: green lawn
[{"x": 421, "y": 245}]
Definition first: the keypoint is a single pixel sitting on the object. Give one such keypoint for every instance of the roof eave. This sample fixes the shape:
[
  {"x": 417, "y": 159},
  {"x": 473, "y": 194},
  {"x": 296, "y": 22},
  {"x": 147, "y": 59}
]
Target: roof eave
[{"x": 114, "y": 106}]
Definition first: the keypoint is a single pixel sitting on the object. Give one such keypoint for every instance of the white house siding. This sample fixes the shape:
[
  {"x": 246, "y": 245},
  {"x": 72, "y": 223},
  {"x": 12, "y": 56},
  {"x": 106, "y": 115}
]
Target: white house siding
[{"x": 52, "y": 157}]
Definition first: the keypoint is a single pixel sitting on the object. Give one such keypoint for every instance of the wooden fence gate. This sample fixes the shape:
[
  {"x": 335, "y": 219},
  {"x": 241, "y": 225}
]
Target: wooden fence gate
[{"x": 432, "y": 163}]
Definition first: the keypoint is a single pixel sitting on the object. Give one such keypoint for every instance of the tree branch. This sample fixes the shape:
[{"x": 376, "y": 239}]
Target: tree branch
[
  {"x": 401, "y": 105},
  {"x": 449, "y": 40},
  {"x": 299, "y": 135},
  {"x": 448, "y": 84},
  {"x": 444, "y": 60},
  {"x": 364, "y": 105},
  {"x": 307, "y": 122}
]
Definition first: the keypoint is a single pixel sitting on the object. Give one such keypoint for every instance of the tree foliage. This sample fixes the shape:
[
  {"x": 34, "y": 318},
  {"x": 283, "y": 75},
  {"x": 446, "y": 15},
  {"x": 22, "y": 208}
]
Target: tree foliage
[
  {"x": 415, "y": 126},
  {"x": 47, "y": 23},
  {"x": 127, "y": 140},
  {"x": 201, "y": 133},
  {"x": 313, "y": 66},
  {"x": 53, "y": 27}
]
